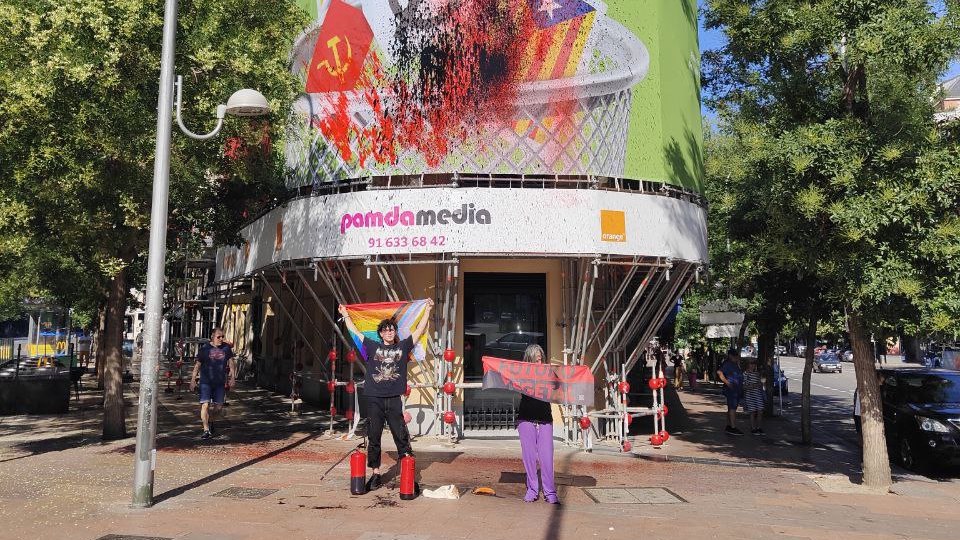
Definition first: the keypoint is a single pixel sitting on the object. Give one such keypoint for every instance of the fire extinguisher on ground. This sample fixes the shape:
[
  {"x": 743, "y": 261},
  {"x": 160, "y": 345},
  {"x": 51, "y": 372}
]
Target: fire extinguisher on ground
[
  {"x": 408, "y": 484},
  {"x": 358, "y": 473}
]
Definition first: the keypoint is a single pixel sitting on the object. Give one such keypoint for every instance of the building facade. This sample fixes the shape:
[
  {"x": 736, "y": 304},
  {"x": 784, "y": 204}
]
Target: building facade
[{"x": 534, "y": 166}]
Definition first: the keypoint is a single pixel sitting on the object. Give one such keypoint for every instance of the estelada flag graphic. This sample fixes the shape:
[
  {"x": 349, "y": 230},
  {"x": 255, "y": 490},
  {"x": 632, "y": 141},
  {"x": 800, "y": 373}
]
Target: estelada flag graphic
[
  {"x": 547, "y": 13},
  {"x": 571, "y": 385},
  {"x": 341, "y": 49},
  {"x": 366, "y": 317},
  {"x": 554, "y": 50}
]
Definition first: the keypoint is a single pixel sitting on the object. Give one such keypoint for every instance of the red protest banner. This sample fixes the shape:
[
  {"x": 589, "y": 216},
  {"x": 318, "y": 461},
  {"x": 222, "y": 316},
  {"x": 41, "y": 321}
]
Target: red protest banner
[{"x": 571, "y": 385}]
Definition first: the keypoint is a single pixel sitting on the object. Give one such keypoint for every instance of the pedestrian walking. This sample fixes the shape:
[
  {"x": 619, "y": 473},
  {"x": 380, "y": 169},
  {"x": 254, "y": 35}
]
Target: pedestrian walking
[
  {"x": 383, "y": 384},
  {"x": 754, "y": 396},
  {"x": 535, "y": 425},
  {"x": 693, "y": 368},
  {"x": 217, "y": 369},
  {"x": 83, "y": 351},
  {"x": 731, "y": 376},
  {"x": 678, "y": 370}
]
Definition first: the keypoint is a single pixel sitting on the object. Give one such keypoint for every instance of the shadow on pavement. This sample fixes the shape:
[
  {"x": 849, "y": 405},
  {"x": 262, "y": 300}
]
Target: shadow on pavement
[
  {"x": 230, "y": 470},
  {"x": 697, "y": 423}
]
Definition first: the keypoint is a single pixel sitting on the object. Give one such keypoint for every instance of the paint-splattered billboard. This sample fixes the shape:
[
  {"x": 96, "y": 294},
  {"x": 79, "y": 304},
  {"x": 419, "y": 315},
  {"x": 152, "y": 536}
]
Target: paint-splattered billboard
[{"x": 565, "y": 87}]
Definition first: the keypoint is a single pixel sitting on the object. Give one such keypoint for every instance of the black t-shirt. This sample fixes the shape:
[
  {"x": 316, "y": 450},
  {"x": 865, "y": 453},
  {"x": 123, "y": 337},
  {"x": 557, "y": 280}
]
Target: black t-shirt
[
  {"x": 214, "y": 362},
  {"x": 386, "y": 367},
  {"x": 534, "y": 410}
]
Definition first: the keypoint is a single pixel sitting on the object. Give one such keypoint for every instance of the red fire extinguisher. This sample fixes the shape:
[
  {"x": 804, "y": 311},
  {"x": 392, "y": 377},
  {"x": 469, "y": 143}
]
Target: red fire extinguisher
[
  {"x": 408, "y": 473},
  {"x": 358, "y": 473}
]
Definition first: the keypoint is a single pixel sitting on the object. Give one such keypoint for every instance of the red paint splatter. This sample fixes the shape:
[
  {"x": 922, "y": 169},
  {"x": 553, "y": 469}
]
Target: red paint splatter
[{"x": 457, "y": 73}]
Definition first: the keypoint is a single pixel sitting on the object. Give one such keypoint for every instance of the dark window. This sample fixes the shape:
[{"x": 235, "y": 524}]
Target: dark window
[{"x": 930, "y": 388}]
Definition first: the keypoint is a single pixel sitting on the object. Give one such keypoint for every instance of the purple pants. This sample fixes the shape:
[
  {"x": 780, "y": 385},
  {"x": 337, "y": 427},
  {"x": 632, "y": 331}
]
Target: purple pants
[{"x": 536, "y": 445}]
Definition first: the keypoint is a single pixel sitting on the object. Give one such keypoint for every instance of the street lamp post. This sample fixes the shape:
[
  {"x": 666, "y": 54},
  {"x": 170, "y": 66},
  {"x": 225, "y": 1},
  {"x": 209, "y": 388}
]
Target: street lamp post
[{"x": 242, "y": 103}]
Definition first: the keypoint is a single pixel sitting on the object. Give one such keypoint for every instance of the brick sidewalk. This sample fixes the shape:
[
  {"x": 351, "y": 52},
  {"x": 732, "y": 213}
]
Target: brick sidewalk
[{"x": 57, "y": 480}]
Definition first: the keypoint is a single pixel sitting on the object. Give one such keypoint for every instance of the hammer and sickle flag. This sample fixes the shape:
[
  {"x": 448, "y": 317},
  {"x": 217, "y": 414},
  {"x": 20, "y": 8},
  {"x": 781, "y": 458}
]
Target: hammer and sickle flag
[{"x": 342, "y": 46}]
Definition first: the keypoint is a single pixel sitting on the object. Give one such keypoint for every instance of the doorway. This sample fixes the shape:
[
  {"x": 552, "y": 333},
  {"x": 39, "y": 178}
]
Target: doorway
[{"x": 503, "y": 313}]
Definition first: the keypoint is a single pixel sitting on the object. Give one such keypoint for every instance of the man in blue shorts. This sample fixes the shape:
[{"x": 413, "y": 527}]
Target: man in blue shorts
[
  {"x": 216, "y": 368},
  {"x": 732, "y": 377}
]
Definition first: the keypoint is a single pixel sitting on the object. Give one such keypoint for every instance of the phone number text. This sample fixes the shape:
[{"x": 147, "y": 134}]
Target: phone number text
[{"x": 407, "y": 241}]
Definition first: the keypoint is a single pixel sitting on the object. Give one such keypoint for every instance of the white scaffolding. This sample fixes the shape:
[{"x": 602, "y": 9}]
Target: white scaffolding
[{"x": 611, "y": 308}]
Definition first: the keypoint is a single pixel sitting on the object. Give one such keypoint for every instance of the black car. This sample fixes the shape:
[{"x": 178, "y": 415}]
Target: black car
[
  {"x": 921, "y": 416},
  {"x": 512, "y": 345}
]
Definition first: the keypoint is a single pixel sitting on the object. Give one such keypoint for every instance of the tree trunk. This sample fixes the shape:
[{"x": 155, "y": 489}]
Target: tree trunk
[
  {"x": 910, "y": 348},
  {"x": 114, "y": 411},
  {"x": 806, "y": 428},
  {"x": 876, "y": 462}
]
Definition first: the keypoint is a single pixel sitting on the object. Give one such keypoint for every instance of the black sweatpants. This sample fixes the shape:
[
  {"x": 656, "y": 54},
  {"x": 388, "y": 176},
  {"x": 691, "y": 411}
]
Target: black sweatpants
[{"x": 391, "y": 409}]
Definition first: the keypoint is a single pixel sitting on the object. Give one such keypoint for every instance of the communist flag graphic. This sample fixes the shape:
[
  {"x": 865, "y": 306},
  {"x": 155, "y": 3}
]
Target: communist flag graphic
[{"x": 341, "y": 48}]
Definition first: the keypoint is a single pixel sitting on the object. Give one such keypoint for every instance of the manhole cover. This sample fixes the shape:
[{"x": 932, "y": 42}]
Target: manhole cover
[
  {"x": 245, "y": 493},
  {"x": 129, "y": 537},
  {"x": 633, "y": 495}
]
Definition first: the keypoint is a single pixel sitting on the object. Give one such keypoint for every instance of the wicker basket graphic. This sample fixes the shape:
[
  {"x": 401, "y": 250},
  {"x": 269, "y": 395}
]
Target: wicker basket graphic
[{"x": 589, "y": 138}]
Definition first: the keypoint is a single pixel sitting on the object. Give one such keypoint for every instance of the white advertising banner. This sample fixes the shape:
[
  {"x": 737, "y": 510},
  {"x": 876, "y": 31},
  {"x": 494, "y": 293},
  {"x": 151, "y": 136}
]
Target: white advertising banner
[{"x": 470, "y": 221}]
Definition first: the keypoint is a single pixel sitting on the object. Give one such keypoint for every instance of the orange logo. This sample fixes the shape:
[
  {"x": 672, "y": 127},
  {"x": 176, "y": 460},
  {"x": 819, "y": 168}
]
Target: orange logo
[{"x": 613, "y": 226}]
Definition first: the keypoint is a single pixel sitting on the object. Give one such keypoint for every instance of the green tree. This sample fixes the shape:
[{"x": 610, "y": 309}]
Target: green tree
[
  {"x": 831, "y": 103},
  {"x": 78, "y": 95}
]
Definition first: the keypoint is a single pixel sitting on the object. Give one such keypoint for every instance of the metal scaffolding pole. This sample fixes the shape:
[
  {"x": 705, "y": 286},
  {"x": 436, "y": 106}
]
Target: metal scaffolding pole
[
  {"x": 588, "y": 314},
  {"x": 333, "y": 323},
  {"x": 619, "y": 325},
  {"x": 387, "y": 286},
  {"x": 290, "y": 317},
  {"x": 307, "y": 316}
]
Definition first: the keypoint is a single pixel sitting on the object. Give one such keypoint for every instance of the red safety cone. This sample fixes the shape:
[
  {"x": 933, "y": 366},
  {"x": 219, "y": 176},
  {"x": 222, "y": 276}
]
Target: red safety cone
[
  {"x": 408, "y": 473},
  {"x": 358, "y": 473}
]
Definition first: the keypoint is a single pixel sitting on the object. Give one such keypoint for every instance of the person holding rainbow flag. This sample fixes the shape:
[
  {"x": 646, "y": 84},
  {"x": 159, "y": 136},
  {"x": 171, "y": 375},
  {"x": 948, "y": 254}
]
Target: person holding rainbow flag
[{"x": 384, "y": 383}]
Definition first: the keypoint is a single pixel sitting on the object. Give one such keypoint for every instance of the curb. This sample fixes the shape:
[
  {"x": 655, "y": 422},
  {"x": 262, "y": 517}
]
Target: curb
[{"x": 665, "y": 458}]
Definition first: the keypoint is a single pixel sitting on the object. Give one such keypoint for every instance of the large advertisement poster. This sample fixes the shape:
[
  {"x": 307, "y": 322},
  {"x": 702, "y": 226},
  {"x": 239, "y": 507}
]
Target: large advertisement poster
[
  {"x": 495, "y": 87},
  {"x": 473, "y": 221}
]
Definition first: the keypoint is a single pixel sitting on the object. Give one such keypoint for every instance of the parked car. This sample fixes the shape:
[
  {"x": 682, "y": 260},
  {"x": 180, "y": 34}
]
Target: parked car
[
  {"x": 799, "y": 350},
  {"x": 847, "y": 356},
  {"x": 511, "y": 346},
  {"x": 780, "y": 349},
  {"x": 827, "y": 361},
  {"x": 921, "y": 416},
  {"x": 780, "y": 382}
]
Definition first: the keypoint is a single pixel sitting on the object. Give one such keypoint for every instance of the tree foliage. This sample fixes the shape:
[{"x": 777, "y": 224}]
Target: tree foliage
[
  {"x": 836, "y": 180},
  {"x": 835, "y": 170},
  {"x": 78, "y": 96},
  {"x": 78, "y": 101}
]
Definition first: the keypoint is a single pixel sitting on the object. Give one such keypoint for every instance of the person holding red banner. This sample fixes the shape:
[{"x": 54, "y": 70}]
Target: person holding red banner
[
  {"x": 384, "y": 383},
  {"x": 535, "y": 425}
]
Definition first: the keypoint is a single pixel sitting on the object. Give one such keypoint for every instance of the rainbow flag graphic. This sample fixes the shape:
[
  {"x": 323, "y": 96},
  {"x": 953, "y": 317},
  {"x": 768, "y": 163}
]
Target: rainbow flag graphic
[{"x": 407, "y": 315}]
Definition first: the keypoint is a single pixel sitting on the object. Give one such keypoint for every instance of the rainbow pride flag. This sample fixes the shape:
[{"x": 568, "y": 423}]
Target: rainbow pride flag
[{"x": 407, "y": 315}]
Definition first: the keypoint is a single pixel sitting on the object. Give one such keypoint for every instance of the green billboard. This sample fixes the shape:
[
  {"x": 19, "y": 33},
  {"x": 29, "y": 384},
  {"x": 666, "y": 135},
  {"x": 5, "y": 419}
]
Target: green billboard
[{"x": 518, "y": 87}]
